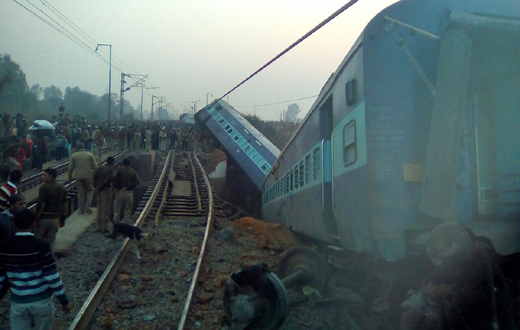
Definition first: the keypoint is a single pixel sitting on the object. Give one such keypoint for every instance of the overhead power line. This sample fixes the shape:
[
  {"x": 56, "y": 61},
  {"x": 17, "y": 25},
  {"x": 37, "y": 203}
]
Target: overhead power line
[
  {"x": 282, "y": 102},
  {"x": 308, "y": 34},
  {"x": 84, "y": 34},
  {"x": 68, "y": 34},
  {"x": 57, "y": 29}
]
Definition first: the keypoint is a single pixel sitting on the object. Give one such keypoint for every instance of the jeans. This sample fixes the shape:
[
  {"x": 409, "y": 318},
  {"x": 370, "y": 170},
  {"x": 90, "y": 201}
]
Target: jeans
[{"x": 40, "y": 312}]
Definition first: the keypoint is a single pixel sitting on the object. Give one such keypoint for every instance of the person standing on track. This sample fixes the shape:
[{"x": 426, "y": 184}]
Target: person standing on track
[
  {"x": 28, "y": 267},
  {"x": 102, "y": 184},
  {"x": 9, "y": 188},
  {"x": 121, "y": 138},
  {"x": 173, "y": 139},
  {"x": 195, "y": 137},
  {"x": 83, "y": 164},
  {"x": 99, "y": 139},
  {"x": 51, "y": 208},
  {"x": 125, "y": 180},
  {"x": 148, "y": 136}
]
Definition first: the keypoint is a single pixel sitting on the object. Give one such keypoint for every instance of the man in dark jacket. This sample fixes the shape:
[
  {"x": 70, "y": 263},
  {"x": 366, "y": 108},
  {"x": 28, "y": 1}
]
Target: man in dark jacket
[
  {"x": 102, "y": 186},
  {"x": 124, "y": 183},
  {"x": 7, "y": 228},
  {"x": 51, "y": 208}
]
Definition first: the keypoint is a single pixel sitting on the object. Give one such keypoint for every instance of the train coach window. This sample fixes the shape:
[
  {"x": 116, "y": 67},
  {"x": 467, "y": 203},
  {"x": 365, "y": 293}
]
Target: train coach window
[
  {"x": 236, "y": 138},
  {"x": 221, "y": 121},
  {"x": 296, "y": 175},
  {"x": 264, "y": 167},
  {"x": 302, "y": 169},
  {"x": 317, "y": 164},
  {"x": 350, "y": 92},
  {"x": 349, "y": 143},
  {"x": 227, "y": 127},
  {"x": 307, "y": 168}
]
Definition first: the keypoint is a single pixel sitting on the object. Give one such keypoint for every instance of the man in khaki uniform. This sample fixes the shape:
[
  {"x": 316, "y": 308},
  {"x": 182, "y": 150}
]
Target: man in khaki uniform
[
  {"x": 103, "y": 183},
  {"x": 83, "y": 164},
  {"x": 51, "y": 208},
  {"x": 124, "y": 183}
]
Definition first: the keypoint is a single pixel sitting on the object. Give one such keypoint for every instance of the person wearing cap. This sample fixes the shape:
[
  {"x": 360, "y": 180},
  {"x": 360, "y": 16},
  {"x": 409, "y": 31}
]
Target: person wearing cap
[
  {"x": 7, "y": 229},
  {"x": 51, "y": 208},
  {"x": 124, "y": 182},
  {"x": 84, "y": 165},
  {"x": 28, "y": 269}
]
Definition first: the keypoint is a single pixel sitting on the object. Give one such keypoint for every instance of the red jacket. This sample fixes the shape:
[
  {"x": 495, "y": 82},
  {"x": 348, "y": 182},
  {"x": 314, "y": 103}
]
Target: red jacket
[{"x": 20, "y": 157}]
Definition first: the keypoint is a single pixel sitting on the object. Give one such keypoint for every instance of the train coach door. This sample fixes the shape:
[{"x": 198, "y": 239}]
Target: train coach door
[{"x": 326, "y": 126}]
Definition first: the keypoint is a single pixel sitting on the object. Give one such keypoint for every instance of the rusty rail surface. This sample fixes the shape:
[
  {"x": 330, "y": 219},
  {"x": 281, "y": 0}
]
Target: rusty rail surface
[
  {"x": 89, "y": 307},
  {"x": 207, "y": 236}
]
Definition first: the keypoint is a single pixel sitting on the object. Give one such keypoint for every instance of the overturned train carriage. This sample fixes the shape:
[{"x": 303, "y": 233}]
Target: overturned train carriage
[
  {"x": 249, "y": 148},
  {"x": 419, "y": 125}
]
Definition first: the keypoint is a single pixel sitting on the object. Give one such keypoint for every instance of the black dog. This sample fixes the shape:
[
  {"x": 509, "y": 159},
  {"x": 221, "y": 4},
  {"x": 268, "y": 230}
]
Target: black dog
[
  {"x": 129, "y": 231},
  {"x": 126, "y": 230}
]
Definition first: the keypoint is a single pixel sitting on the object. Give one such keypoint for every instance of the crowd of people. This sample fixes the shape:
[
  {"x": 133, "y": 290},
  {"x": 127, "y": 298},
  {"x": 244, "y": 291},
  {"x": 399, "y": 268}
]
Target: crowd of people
[{"x": 25, "y": 151}]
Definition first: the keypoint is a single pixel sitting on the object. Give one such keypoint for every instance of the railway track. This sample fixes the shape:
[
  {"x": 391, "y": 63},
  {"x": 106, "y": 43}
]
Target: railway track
[{"x": 179, "y": 225}]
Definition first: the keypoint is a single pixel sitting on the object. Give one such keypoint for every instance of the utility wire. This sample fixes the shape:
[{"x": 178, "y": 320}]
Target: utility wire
[
  {"x": 83, "y": 33},
  {"x": 57, "y": 29},
  {"x": 308, "y": 34},
  {"x": 67, "y": 33},
  {"x": 282, "y": 102},
  {"x": 61, "y": 26}
]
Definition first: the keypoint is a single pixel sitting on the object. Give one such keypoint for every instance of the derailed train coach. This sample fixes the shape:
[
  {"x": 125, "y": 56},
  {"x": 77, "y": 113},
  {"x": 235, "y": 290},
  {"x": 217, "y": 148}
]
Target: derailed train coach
[
  {"x": 418, "y": 126},
  {"x": 249, "y": 148}
]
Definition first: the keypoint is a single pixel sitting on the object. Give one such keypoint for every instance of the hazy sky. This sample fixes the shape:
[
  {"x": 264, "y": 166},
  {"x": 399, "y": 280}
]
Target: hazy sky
[{"x": 189, "y": 48}]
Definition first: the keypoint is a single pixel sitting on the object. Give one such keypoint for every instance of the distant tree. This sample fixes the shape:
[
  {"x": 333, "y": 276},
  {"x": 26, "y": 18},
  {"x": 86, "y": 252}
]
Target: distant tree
[
  {"x": 36, "y": 90},
  {"x": 81, "y": 103},
  {"x": 277, "y": 132},
  {"x": 13, "y": 86},
  {"x": 291, "y": 115},
  {"x": 52, "y": 97},
  {"x": 255, "y": 121},
  {"x": 14, "y": 92}
]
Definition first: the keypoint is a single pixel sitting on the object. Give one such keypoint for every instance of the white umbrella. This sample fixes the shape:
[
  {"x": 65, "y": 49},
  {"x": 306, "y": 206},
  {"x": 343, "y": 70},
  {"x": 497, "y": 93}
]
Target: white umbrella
[{"x": 41, "y": 124}]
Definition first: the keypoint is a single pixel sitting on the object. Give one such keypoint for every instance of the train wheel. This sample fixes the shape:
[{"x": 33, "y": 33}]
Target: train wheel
[{"x": 304, "y": 266}]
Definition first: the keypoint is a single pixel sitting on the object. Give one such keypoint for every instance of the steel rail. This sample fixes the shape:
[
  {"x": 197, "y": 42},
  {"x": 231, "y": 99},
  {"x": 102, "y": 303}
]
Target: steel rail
[
  {"x": 207, "y": 235},
  {"x": 89, "y": 307},
  {"x": 199, "y": 202}
]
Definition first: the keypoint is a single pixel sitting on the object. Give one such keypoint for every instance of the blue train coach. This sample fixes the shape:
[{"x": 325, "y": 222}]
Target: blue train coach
[
  {"x": 249, "y": 148},
  {"x": 418, "y": 126}
]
